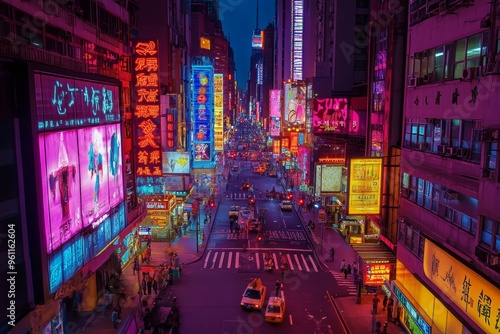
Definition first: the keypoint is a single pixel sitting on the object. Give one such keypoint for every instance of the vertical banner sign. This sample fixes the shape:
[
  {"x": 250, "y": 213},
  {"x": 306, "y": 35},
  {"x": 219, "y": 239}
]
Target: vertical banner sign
[
  {"x": 147, "y": 108},
  {"x": 218, "y": 112},
  {"x": 365, "y": 179},
  {"x": 203, "y": 105},
  {"x": 172, "y": 132},
  {"x": 294, "y": 142}
]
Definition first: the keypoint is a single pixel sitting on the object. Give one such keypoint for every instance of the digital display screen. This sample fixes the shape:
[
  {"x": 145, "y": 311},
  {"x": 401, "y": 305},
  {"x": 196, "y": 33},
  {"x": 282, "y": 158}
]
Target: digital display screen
[
  {"x": 64, "y": 103},
  {"x": 275, "y": 103},
  {"x": 330, "y": 115},
  {"x": 82, "y": 179},
  {"x": 176, "y": 162},
  {"x": 203, "y": 109},
  {"x": 295, "y": 104}
]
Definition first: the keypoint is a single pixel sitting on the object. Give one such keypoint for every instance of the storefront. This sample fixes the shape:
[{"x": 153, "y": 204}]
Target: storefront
[
  {"x": 377, "y": 265},
  {"x": 353, "y": 229}
]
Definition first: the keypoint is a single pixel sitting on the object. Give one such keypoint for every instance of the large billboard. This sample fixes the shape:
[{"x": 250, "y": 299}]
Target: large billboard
[
  {"x": 203, "y": 111},
  {"x": 82, "y": 179},
  {"x": 330, "y": 115},
  {"x": 176, "y": 162},
  {"x": 146, "y": 103},
  {"x": 295, "y": 104},
  {"x": 329, "y": 178},
  {"x": 218, "y": 112},
  {"x": 275, "y": 103},
  {"x": 365, "y": 184},
  {"x": 64, "y": 103},
  {"x": 275, "y": 127}
]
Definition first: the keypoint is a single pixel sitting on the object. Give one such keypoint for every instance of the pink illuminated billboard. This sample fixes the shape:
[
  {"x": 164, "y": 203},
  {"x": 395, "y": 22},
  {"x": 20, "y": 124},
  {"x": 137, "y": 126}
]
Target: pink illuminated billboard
[
  {"x": 329, "y": 115},
  {"x": 275, "y": 103},
  {"x": 275, "y": 127},
  {"x": 61, "y": 185}
]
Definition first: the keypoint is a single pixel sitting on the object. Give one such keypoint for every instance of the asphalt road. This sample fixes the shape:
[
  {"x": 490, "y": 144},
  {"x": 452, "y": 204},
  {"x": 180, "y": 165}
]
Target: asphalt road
[{"x": 210, "y": 290}]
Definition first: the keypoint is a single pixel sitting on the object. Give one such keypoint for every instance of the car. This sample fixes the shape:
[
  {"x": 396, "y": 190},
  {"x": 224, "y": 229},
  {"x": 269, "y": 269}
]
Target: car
[
  {"x": 254, "y": 225},
  {"x": 272, "y": 173},
  {"x": 275, "y": 310},
  {"x": 245, "y": 186},
  {"x": 286, "y": 205},
  {"x": 259, "y": 169},
  {"x": 245, "y": 213},
  {"x": 234, "y": 211},
  {"x": 254, "y": 296}
]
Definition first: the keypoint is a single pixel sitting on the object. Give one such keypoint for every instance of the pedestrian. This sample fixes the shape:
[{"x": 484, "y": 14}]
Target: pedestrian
[
  {"x": 375, "y": 302},
  {"x": 278, "y": 287},
  {"x": 155, "y": 286},
  {"x": 349, "y": 268},
  {"x": 332, "y": 254},
  {"x": 136, "y": 266},
  {"x": 150, "y": 285},
  {"x": 343, "y": 268},
  {"x": 144, "y": 285},
  {"x": 231, "y": 223},
  {"x": 390, "y": 306},
  {"x": 384, "y": 302},
  {"x": 114, "y": 318}
]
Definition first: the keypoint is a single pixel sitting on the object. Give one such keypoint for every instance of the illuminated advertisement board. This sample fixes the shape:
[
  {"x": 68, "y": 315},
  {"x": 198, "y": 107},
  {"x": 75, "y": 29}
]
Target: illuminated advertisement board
[
  {"x": 304, "y": 158},
  {"x": 377, "y": 273},
  {"x": 275, "y": 103},
  {"x": 329, "y": 115},
  {"x": 469, "y": 291},
  {"x": 274, "y": 128},
  {"x": 64, "y": 103},
  {"x": 174, "y": 183},
  {"x": 146, "y": 101},
  {"x": 175, "y": 162},
  {"x": 356, "y": 122},
  {"x": 294, "y": 142},
  {"x": 295, "y": 104},
  {"x": 169, "y": 138},
  {"x": 330, "y": 178},
  {"x": 257, "y": 39},
  {"x": 202, "y": 115},
  {"x": 218, "y": 112},
  {"x": 276, "y": 147},
  {"x": 82, "y": 178},
  {"x": 66, "y": 261},
  {"x": 365, "y": 179}
]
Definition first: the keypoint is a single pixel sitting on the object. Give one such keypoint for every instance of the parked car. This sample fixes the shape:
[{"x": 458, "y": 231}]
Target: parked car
[
  {"x": 286, "y": 205},
  {"x": 254, "y": 296},
  {"x": 275, "y": 310}
]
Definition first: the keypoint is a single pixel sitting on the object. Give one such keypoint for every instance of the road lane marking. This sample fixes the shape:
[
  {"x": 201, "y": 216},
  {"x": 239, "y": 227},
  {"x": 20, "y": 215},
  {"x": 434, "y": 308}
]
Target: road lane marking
[
  {"x": 305, "y": 263},
  {"x": 298, "y": 262},
  {"x": 206, "y": 259},
  {"x": 221, "y": 259},
  {"x": 312, "y": 262},
  {"x": 229, "y": 259},
  {"x": 258, "y": 260},
  {"x": 291, "y": 319},
  {"x": 214, "y": 260}
]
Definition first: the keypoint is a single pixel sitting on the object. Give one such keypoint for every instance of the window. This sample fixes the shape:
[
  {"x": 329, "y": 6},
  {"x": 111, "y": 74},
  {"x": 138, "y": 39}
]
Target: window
[
  {"x": 487, "y": 232},
  {"x": 459, "y": 58},
  {"x": 491, "y": 155},
  {"x": 438, "y": 63},
  {"x": 496, "y": 246}
]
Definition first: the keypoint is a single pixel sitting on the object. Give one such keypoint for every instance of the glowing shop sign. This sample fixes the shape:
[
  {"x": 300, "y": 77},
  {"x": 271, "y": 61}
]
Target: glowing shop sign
[
  {"x": 147, "y": 108},
  {"x": 421, "y": 323},
  {"x": 472, "y": 293},
  {"x": 218, "y": 112},
  {"x": 365, "y": 178}
]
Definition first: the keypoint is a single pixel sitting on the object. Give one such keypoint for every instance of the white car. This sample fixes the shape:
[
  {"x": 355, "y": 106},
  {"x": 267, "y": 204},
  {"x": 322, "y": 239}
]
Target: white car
[
  {"x": 286, "y": 205},
  {"x": 254, "y": 296}
]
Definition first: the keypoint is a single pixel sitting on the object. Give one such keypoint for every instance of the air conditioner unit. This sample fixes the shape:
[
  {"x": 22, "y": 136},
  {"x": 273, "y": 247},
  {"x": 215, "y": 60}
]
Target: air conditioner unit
[
  {"x": 450, "y": 150},
  {"x": 471, "y": 73},
  {"x": 481, "y": 254},
  {"x": 441, "y": 149},
  {"x": 463, "y": 152},
  {"x": 491, "y": 68},
  {"x": 488, "y": 174}
]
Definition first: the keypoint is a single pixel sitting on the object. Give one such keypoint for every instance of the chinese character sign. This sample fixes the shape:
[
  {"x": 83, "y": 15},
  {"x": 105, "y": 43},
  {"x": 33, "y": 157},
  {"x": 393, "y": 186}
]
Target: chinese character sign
[
  {"x": 64, "y": 103},
  {"x": 377, "y": 273},
  {"x": 203, "y": 110},
  {"x": 329, "y": 115},
  {"x": 365, "y": 178},
  {"x": 304, "y": 164},
  {"x": 147, "y": 108},
  {"x": 469, "y": 291},
  {"x": 218, "y": 112}
]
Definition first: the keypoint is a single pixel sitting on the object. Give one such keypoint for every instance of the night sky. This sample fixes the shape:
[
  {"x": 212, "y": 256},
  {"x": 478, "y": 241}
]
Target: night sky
[{"x": 238, "y": 23}]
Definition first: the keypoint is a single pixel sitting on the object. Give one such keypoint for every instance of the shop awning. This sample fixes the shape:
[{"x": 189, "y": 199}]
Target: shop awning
[{"x": 373, "y": 253}]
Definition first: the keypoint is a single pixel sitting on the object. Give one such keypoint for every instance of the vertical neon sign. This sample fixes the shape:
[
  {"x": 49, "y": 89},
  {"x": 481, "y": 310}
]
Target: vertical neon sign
[{"x": 147, "y": 108}]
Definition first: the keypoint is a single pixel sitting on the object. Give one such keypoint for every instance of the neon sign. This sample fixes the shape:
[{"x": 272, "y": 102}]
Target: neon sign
[{"x": 147, "y": 108}]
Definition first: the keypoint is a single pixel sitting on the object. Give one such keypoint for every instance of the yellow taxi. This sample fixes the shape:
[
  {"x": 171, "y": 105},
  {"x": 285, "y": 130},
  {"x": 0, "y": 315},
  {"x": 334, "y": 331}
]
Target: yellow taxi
[
  {"x": 254, "y": 296},
  {"x": 259, "y": 169},
  {"x": 275, "y": 310}
]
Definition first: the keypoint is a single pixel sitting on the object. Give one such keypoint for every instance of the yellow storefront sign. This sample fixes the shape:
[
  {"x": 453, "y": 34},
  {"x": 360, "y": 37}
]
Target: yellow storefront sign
[
  {"x": 365, "y": 179},
  {"x": 473, "y": 294}
]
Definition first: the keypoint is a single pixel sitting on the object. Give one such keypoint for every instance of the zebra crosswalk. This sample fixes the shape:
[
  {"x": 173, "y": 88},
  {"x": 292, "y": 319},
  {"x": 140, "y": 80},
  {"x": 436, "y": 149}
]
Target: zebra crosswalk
[
  {"x": 227, "y": 259},
  {"x": 347, "y": 283}
]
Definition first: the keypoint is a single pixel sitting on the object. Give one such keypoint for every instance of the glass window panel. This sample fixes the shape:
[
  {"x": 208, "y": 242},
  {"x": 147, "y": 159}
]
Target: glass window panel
[
  {"x": 460, "y": 50},
  {"x": 449, "y": 61},
  {"x": 430, "y": 61},
  {"x": 457, "y": 218},
  {"x": 486, "y": 237},
  {"x": 473, "y": 46},
  {"x": 455, "y": 133},
  {"x": 438, "y": 63},
  {"x": 475, "y": 62},
  {"x": 466, "y": 222},
  {"x": 473, "y": 226}
]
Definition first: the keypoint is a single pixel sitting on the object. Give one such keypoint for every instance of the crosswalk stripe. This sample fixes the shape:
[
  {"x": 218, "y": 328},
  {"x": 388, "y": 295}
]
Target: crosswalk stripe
[
  {"x": 275, "y": 261},
  {"x": 237, "y": 260},
  {"x": 214, "y": 259},
  {"x": 312, "y": 263},
  {"x": 206, "y": 260},
  {"x": 221, "y": 259},
  {"x": 305, "y": 262},
  {"x": 289, "y": 261},
  {"x": 229, "y": 259},
  {"x": 257, "y": 260},
  {"x": 297, "y": 260}
]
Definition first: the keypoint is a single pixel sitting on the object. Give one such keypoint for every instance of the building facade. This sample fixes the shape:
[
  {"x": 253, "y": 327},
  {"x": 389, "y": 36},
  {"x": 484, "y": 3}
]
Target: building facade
[{"x": 448, "y": 246}]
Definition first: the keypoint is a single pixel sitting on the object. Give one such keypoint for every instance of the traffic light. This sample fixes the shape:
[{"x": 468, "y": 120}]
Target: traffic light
[
  {"x": 212, "y": 204},
  {"x": 289, "y": 196},
  {"x": 301, "y": 201},
  {"x": 259, "y": 237}
]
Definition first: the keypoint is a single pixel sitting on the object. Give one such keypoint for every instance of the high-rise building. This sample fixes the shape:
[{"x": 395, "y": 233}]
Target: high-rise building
[
  {"x": 448, "y": 270},
  {"x": 67, "y": 143}
]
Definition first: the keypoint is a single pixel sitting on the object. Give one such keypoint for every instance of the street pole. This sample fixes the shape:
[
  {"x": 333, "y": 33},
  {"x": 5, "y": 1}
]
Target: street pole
[{"x": 198, "y": 224}]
